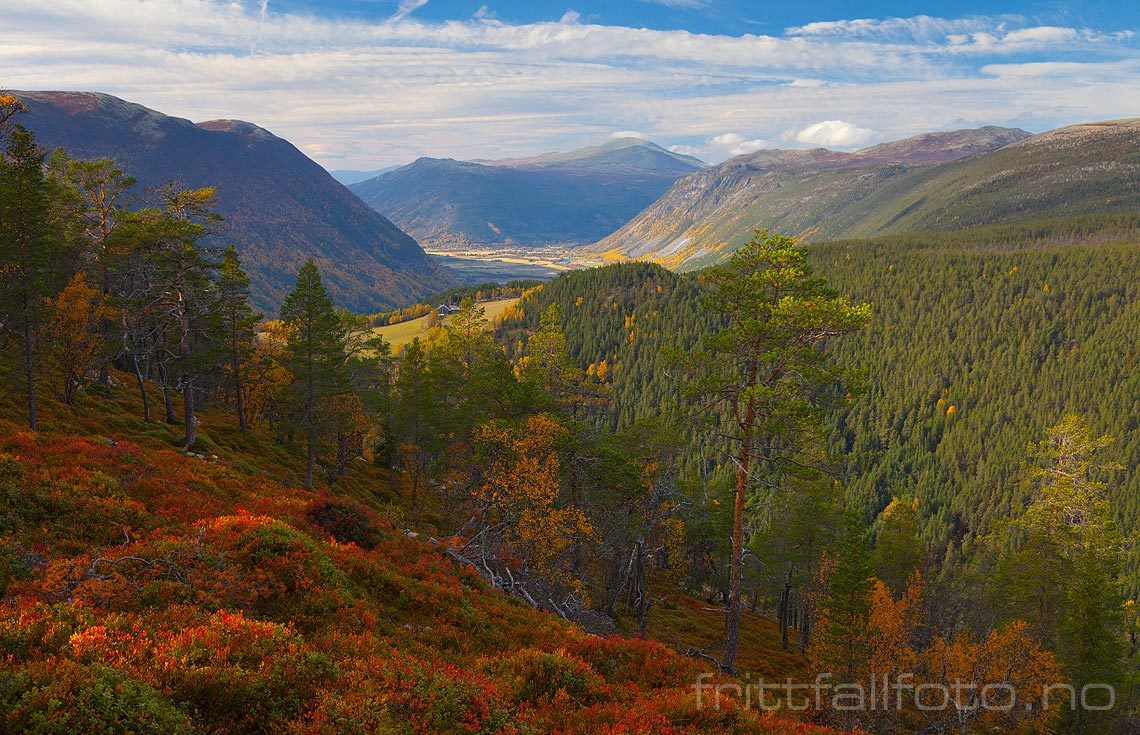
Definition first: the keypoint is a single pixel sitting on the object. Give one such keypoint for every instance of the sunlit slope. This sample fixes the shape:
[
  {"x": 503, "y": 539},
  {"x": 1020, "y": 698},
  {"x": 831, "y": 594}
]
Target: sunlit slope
[{"x": 933, "y": 182}]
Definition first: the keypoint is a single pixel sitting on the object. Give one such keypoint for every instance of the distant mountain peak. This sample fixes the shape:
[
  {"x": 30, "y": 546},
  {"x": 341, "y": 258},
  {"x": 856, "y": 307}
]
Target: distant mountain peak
[{"x": 554, "y": 198}]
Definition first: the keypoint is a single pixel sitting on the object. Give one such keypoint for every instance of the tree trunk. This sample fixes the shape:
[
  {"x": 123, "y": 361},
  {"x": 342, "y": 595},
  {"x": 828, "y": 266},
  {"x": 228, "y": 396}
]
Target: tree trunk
[
  {"x": 142, "y": 389},
  {"x": 30, "y": 370},
  {"x": 190, "y": 421},
  {"x": 785, "y": 608},
  {"x": 642, "y": 589},
  {"x": 167, "y": 398},
  {"x": 239, "y": 404},
  {"x": 736, "y": 570}
]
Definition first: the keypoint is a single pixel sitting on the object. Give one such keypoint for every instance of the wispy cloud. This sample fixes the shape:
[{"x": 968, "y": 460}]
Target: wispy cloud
[
  {"x": 359, "y": 94},
  {"x": 407, "y": 7},
  {"x": 687, "y": 4}
]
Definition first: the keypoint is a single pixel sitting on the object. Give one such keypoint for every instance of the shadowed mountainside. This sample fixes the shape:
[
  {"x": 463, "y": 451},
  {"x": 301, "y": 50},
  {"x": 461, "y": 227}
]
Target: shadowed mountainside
[{"x": 279, "y": 206}]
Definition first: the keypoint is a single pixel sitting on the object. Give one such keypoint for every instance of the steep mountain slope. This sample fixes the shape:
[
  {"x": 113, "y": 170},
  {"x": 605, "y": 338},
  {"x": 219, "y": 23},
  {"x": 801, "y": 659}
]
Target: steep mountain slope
[
  {"x": 816, "y": 194},
  {"x": 279, "y": 206},
  {"x": 555, "y": 198},
  {"x": 1077, "y": 170}
]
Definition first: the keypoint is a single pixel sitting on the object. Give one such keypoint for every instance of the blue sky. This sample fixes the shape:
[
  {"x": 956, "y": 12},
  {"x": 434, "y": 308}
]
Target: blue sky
[
  {"x": 370, "y": 83},
  {"x": 731, "y": 17}
]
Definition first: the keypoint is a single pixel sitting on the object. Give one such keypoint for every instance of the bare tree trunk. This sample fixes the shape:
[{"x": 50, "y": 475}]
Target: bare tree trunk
[
  {"x": 190, "y": 421},
  {"x": 643, "y": 601},
  {"x": 142, "y": 389}
]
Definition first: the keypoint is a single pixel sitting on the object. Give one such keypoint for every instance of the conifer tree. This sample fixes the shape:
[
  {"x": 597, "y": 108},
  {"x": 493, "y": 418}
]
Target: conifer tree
[
  {"x": 1063, "y": 572},
  {"x": 239, "y": 324},
  {"x": 315, "y": 356},
  {"x": 32, "y": 252},
  {"x": 898, "y": 549},
  {"x": 99, "y": 188},
  {"x": 767, "y": 370},
  {"x": 840, "y": 647}
]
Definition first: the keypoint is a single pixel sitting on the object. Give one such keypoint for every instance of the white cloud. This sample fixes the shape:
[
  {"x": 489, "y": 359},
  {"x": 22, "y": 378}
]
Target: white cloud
[
  {"x": 735, "y": 144},
  {"x": 358, "y": 94},
  {"x": 570, "y": 17},
  {"x": 629, "y": 134},
  {"x": 1041, "y": 34},
  {"x": 835, "y": 133},
  {"x": 919, "y": 27},
  {"x": 721, "y": 146}
]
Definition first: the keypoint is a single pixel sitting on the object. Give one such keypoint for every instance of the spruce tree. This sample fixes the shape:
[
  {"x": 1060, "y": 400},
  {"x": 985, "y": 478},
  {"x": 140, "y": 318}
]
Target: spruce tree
[{"x": 315, "y": 356}]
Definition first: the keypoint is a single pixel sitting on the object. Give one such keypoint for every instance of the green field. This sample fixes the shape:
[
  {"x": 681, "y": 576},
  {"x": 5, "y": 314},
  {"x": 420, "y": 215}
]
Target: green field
[{"x": 401, "y": 334}]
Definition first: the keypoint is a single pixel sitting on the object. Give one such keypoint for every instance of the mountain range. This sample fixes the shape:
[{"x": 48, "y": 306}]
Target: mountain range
[
  {"x": 279, "y": 207},
  {"x": 933, "y": 182},
  {"x": 556, "y": 198},
  {"x": 349, "y": 176}
]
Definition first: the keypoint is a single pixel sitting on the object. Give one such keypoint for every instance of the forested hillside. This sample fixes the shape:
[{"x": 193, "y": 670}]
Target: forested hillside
[{"x": 977, "y": 345}]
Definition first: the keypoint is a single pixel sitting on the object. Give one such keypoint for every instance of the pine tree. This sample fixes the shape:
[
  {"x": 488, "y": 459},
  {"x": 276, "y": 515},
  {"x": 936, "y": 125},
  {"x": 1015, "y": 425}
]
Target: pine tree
[
  {"x": 1063, "y": 573},
  {"x": 315, "y": 356},
  {"x": 98, "y": 189},
  {"x": 766, "y": 369},
  {"x": 33, "y": 249},
  {"x": 239, "y": 324}
]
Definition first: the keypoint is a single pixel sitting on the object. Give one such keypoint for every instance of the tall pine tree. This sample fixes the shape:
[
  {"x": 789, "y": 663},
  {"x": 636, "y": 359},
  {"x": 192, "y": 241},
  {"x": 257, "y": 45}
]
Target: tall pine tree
[
  {"x": 767, "y": 370},
  {"x": 315, "y": 356}
]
